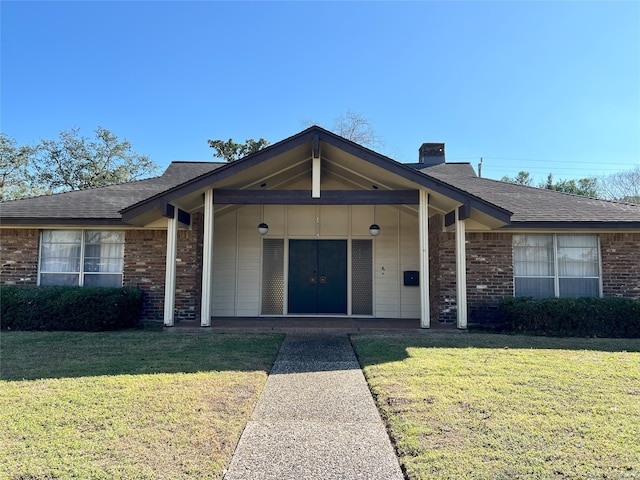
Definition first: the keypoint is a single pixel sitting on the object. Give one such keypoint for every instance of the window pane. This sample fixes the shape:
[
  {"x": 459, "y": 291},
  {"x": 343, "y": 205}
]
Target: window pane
[
  {"x": 578, "y": 241},
  {"x": 527, "y": 240},
  {"x": 541, "y": 268},
  {"x": 578, "y": 256},
  {"x": 61, "y": 236},
  {"x": 533, "y": 255},
  {"x": 59, "y": 279},
  {"x": 103, "y": 237},
  {"x": 57, "y": 257},
  {"x": 102, "y": 280},
  {"x": 579, "y": 287},
  {"x": 534, "y": 287},
  {"x": 103, "y": 265}
]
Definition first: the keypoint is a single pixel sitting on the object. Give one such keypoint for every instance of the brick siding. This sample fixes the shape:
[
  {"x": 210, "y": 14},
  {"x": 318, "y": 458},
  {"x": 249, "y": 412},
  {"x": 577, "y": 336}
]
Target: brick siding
[
  {"x": 144, "y": 267},
  {"x": 489, "y": 273},
  {"x": 489, "y": 268},
  {"x": 620, "y": 264},
  {"x": 19, "y": 256}
]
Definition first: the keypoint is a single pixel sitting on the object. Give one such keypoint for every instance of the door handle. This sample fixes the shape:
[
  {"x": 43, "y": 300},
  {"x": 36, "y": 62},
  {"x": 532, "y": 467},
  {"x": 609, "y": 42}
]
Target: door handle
[
  {"x": 312, "y": 279},
  {"x": 323, "y": 280}
]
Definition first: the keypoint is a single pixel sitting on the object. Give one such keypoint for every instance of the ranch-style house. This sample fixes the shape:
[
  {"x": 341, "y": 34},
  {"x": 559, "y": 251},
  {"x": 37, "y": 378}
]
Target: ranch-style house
[{"x": 318, "y": 226}]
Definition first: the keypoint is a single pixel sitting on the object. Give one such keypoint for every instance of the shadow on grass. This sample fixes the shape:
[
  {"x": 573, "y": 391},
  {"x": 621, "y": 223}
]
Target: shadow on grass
[
  {"x": 37, "y": 355},
  {"x": 393, "y": 347}
]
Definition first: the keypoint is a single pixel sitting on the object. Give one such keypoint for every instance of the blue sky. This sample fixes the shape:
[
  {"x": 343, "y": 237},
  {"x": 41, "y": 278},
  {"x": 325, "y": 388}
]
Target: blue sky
[{"x": 536, "y": 86}]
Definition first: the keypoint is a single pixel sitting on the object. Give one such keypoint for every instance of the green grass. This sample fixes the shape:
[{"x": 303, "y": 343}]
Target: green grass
[
  {"x": 129, "y": 404},
  {"x": 507, "y": 407}
]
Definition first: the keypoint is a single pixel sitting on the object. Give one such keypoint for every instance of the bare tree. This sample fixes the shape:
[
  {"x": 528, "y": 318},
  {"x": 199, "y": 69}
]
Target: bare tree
[
  {"x": 356, "y": 127},
  {"x": 623, "y": 186}
]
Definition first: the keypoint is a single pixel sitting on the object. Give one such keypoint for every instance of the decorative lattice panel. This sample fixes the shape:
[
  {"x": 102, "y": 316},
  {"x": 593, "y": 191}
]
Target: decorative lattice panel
[
  {"x": 362, "y": 277},
  {"x": 272, "y": 276}
]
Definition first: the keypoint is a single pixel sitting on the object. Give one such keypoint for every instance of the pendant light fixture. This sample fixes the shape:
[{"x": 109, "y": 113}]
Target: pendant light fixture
[{"x": 374, "y": 228}]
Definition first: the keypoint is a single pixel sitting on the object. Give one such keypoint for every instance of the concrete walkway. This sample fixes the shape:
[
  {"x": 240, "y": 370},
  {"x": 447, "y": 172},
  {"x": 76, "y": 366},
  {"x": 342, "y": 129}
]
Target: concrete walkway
[{"x": 315, "y": 419}]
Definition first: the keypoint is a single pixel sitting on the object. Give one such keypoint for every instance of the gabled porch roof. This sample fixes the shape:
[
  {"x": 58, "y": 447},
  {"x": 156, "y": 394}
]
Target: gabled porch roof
[{"x": 280, "y": 165}]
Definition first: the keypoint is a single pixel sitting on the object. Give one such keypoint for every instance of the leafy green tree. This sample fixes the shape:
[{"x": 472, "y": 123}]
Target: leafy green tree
[
  {"x": 587, "y": 187},
  {"x": 74, "y": 162},
  {"x": 71, "y": 162},
  {"x": 523, "y": 178},
  {"x": 14, "y": 164},
  {"x": 232, "y": 151}
]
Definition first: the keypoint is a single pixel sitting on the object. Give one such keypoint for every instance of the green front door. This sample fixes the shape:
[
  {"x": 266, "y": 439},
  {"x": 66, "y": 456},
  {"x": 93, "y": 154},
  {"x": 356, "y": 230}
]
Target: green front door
[{"x": 318, "y": 276}]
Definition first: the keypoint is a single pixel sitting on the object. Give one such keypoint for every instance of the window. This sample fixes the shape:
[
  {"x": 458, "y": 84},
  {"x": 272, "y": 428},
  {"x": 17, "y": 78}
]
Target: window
[
  {"x": 85, "y": 258},
  {"x": 556, "y": 265}
]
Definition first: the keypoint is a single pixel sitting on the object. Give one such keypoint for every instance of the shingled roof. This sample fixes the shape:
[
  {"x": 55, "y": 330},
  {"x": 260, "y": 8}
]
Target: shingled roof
[
  {"x": 536, "y": 207},
  {"x": 530, "y": 207},
  {"x": 98, "y": 206}
]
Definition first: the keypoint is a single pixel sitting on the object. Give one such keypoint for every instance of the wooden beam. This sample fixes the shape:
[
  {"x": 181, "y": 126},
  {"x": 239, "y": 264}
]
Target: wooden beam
[
  {"x": 450, "y": 218},
  {"x": 169, "y": 211},
  {"x": 329, "y": 197},
  {"x": 464, "y": 211}
]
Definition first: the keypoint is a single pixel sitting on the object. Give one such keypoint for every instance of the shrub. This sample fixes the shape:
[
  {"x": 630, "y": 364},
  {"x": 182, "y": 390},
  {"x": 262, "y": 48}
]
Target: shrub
[
  {"x": 573, "y": 317},
  {"x": 69, "y": 308}
]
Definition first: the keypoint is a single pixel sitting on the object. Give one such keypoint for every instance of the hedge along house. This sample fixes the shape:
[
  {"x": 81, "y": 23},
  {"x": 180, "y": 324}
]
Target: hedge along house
[{"x": 316, "y": 225}]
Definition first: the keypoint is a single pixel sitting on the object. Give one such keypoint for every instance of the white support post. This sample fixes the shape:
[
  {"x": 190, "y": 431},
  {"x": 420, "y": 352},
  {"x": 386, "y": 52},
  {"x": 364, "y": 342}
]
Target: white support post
[
  {"x": 461, "y": 271},
  {"x": 207, "y": 261},
  {"x": 170, "y": 270},
  {"x": 425, "y": 317},
  {"x": 315, "y": 177}
]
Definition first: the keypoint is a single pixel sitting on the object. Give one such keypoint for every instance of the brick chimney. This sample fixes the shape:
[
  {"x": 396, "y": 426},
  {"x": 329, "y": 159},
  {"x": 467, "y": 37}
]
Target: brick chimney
[{"x": 431, "y": 154}]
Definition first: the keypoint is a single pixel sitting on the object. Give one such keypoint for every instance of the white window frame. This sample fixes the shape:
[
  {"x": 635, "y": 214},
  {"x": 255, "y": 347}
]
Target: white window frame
[
  {"x": 81, "y": 273},
  {"x": 556, "y": 276}
]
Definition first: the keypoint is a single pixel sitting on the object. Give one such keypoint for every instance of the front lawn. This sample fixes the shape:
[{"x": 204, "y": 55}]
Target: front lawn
[
  {"x": 507, "y": 407},
  {"x": 128, "y": 404}
]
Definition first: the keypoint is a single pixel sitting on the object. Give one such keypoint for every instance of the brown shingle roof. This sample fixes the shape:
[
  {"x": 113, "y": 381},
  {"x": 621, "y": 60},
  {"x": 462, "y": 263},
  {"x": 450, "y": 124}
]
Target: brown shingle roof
[
  {"x": 538, "y": 207},
  {"x": 531, "y": 207},
  {"x": 99, "y": 205}
]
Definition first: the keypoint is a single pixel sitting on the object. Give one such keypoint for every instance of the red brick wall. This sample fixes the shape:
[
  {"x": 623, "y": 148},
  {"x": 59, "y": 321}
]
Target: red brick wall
[
  {"x": 19, "y": 256},
  {"x": 189, "y": 270},
  {"x": 489, "y": 273},
  {"x": 144, "y": 267},
  {"x": 489, "y": 268},
  {"x": 447, "y": 294},
  {"x": 620, "y": 264},
  {"x": 435, "y": 268}
]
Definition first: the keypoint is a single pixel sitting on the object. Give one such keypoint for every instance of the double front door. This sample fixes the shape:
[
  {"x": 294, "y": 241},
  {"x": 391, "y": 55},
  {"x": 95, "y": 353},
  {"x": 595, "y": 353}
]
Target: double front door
[{"x": 317, "y": 276}]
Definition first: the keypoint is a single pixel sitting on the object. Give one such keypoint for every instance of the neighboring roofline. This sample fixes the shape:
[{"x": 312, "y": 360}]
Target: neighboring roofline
[
  {"x": 309, "y": 135},
  {"x": 36, "y": 221},
  {"x": 515, "y": 225}
]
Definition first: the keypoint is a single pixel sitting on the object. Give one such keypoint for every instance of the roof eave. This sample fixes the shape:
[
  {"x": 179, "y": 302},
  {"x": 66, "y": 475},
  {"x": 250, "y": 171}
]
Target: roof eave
[
  {"x": 40, "y": 221},
  {"x": 558, "y": 225}
]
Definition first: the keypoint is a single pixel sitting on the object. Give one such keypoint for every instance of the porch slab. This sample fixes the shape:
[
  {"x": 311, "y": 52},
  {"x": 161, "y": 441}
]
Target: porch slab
[{"x": 312, "y": 325}]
